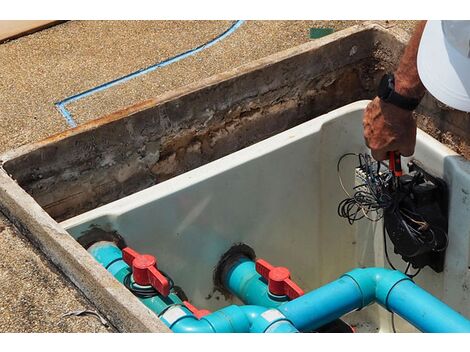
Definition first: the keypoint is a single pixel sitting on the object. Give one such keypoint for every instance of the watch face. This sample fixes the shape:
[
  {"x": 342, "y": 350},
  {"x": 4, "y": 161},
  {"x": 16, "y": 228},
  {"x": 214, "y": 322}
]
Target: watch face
[{"x": 384, "y": 87}]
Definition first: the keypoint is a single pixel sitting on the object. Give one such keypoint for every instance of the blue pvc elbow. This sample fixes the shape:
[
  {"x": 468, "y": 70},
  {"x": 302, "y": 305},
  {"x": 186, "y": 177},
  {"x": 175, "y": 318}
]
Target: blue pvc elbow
[
  {"x": 360, "y": 287},
  {"x": 398, "y": 293}
]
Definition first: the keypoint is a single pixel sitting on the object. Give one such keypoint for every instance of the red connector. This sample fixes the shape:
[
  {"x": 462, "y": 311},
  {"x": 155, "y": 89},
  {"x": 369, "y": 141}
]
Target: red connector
[
  {"x": 198, "y": 313},
  {"x": 394, "y": 163},
  {"x": 145, "y": 271},
  {"x": 279, "y": 282}
]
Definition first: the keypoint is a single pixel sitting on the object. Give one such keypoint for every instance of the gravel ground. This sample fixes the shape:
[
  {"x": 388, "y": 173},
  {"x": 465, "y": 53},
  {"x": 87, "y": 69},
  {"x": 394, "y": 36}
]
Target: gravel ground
[
  {"x": 251, "y": 41},
  {"x": 33, "y": 294},
  {"x": 41, "y": 69}
]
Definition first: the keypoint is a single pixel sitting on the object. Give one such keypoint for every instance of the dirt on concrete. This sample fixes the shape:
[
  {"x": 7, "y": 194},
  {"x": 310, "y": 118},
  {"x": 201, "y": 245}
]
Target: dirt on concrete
[{"x": 34, "y": 296}]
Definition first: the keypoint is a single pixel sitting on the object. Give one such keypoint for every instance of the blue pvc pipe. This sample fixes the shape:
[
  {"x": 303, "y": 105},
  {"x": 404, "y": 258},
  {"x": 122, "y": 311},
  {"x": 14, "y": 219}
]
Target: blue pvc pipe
[
  {"x": 354, "y": 290},
  {"x": 180, "y": 319},
  {"x": 110, "y": 256},
  {"x": 423, "y": 310},
  {"x": 323, "y": 305},
  {"x": 360, "y": 287},
  {"x": 398, "y": 293},
  {"x": 231, "y": 319},
  {"x": 243, "y": 281}
]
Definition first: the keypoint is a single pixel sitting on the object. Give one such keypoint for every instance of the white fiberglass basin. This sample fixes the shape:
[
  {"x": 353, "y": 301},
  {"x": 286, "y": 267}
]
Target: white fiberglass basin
[{"x": 280, "y": 197}]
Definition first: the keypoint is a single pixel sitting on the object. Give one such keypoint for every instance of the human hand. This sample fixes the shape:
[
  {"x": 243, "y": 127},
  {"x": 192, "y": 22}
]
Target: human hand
[{"x": 388, "y": 128}]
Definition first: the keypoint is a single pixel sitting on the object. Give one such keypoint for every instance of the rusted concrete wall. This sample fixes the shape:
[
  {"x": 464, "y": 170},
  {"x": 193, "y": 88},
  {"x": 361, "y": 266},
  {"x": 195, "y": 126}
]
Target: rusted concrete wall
[{"x": 132, "y": 149}]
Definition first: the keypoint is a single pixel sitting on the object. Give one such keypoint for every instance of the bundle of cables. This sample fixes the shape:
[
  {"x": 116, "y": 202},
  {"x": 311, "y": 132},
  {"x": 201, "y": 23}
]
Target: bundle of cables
[
  {"x": 400, "y": 202},
  {"x": 370, "y": 197}
]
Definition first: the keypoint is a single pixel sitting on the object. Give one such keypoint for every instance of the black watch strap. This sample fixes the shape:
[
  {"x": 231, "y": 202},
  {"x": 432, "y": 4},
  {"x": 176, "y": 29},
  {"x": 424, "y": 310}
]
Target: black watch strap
[{"x": 386, "y": 92}]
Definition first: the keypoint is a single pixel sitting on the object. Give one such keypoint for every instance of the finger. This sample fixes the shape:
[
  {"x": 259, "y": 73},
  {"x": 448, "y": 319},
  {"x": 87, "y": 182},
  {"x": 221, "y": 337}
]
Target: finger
[
  {"x": 407, "y": 151},
  {"x": 379, "y": 154}
]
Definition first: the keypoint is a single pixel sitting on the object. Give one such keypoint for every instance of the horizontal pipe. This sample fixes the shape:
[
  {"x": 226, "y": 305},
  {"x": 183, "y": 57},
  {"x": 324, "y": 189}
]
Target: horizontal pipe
[
  {"x": 323, "y": 305},
  {"x": 231, "y": 319}
]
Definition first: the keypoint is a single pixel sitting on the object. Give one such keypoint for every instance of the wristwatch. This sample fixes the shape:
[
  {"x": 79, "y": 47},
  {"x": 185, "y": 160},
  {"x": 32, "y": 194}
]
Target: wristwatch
[{"x": 386, "y": 93}]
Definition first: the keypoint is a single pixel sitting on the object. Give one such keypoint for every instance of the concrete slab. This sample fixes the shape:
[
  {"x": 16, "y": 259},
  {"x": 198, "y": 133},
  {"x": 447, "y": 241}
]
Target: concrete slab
[{"x": 34, "y": 295}]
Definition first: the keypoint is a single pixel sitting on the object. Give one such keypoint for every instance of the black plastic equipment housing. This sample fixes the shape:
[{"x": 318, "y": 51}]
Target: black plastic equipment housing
[{"x": 419, "y": 195}]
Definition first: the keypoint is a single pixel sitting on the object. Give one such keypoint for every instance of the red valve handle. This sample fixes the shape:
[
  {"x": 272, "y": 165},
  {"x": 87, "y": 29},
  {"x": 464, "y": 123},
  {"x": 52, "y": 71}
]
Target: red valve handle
[
  {"x": 145, "y": 271},
  {"x": 279, "y": 281},
  {"x": 198, "y": 313}
]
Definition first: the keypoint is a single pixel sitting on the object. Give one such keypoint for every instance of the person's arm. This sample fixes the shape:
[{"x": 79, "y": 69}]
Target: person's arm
[{"x": 386, "y": 126}]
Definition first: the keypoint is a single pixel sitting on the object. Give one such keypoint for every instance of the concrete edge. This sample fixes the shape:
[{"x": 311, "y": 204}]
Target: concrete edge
[
  {"x": 125, "y": 312},
  {"x": 205, "y": 83}
]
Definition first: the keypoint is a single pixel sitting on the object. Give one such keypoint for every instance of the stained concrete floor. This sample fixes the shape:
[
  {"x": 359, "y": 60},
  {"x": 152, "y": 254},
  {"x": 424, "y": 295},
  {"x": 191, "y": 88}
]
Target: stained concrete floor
[{"x": 45, "y": 67}]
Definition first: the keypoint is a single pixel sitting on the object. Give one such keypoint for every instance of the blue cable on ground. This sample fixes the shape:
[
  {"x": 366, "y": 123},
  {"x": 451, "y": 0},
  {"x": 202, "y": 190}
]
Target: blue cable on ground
[{"x": 61, "y": 105}]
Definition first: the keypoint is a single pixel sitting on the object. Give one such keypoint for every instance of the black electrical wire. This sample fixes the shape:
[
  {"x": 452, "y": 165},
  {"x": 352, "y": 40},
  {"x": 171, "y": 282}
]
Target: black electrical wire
[
  {"x": 144, "y": 291},
  {"x": 376, "y": 194},
  {"x": 393, "y": 323},
  {"x": 385, "y": 248},
  {"x": 392, "y": 315},
  {"x": 369, "y": 198}
]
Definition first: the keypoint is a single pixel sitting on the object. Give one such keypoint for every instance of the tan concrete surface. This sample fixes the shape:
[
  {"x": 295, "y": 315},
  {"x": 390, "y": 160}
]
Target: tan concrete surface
[
  {"x": 34, "y": 294},
  {"x": 253, "y": 40}
]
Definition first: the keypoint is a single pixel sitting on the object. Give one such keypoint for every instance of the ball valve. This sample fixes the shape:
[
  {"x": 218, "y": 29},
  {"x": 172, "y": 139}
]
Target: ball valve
[
  {"x": 279, "y": 281},
  {"x": 145, "y": 271}
]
